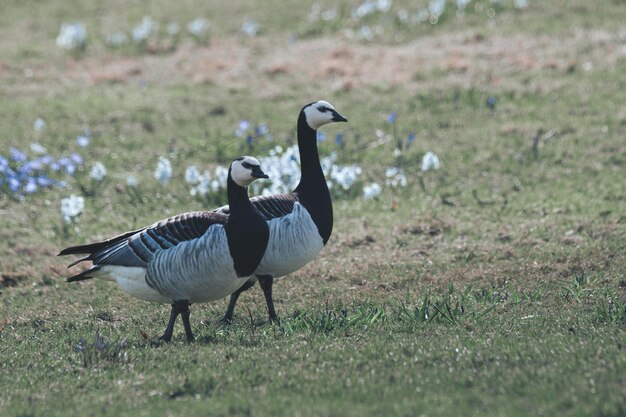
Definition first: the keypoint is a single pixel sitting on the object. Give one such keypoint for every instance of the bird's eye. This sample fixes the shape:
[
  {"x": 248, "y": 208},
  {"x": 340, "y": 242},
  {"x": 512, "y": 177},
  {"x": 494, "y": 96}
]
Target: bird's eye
[
  {"x": 246, "y": 165},
  {"x": 323, "y": 109}
]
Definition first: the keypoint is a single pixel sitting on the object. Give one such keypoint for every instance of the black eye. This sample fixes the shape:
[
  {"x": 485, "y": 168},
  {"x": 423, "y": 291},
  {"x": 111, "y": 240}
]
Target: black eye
[
  {"x": 323, "y": 109},
  {"x": 246, "y": 165}
]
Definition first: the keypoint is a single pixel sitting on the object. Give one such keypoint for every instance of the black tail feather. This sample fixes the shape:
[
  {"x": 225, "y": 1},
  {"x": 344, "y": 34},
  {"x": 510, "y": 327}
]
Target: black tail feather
[
  {"x": 83, "y": 275},
  {"x": 96, "y": 247}
]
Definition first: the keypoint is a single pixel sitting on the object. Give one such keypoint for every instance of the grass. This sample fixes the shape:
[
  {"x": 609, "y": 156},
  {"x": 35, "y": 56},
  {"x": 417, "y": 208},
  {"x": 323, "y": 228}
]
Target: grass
[{"x": 493, "y": 286}]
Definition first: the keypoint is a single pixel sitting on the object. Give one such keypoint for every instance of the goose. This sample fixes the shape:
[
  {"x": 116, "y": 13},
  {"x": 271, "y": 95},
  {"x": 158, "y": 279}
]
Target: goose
[
  {"x": 193, "y": 257},
  {"x": 301, "y": 221}
]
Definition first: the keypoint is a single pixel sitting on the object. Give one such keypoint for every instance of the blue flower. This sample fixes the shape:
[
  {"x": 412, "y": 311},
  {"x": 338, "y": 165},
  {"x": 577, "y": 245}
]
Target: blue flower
[
  {"x": 242, "y": 129},
  {"x": 411, "y": 138},
  {"x": 76, "y": 158},
  {"x": 249, "y": 140},
  {"x": 491, "y": 102},
  {"x": 339, "y": 139},
  {"x": 261, "y": 130},
  {"x": 31, "y": 186},
  {"x": 391, "y": 119},
  {"x": 14, "y": 184},
  {"x": 321, "y": 136},
  {"x": 17, "y": 155}
]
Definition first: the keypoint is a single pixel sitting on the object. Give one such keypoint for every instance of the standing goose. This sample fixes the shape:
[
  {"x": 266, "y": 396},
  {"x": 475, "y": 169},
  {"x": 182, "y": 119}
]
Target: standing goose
[
  {"x": 300, "y": 222},
  {"x": 190, "y": 258}
]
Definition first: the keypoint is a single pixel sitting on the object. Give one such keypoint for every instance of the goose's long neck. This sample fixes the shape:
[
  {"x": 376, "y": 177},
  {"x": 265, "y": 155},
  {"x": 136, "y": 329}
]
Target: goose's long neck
[
  {"x": 238, "y": 200},
  {"x": 312, "y": 190},
  {"x": 312, "y": 179}
]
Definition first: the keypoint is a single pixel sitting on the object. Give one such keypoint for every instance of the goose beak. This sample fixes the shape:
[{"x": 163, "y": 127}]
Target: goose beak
[
  {"x": 257, "y": 172},
  {"x": 338, "y": 118}
]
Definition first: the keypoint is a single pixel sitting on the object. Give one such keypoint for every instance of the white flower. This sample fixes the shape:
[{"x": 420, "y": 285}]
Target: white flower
[
  {"x": 72, "y": 36},
  {"x": 437, "y": 7},
  {"x": 192, "y": 175},
  {"x": 221, "y": 175},
  {"x": 345, "y": 176},
  {"x": 37, "y": 148},
  {"x": 163, "y": 171},
  {"x": 204, "y": 184},
  {"x": 142, "y": 32},
  {"x": 98, "y": 171},
  {"x": 131, "y": 181},
  {"x": 172, "y": 28},
  {"x": 82, "y": 140},
  {"x": 39, "y": 124},
  {"x": 521, "y": 4},
  {"x": 395, "y": 177},
  {"x": 430, "y": 161},
  {"x": 117, "y": 39},
  {"x": 72, "y": 207},
  {"x": 371, "y": 190},
  {"x": 250, "y": 28},
  {"x": 198, "y": 26}
]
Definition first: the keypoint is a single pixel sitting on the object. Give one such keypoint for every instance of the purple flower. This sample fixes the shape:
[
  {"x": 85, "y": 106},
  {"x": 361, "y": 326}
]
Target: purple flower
[
  {"x": 17, "y": 155},
  {"x": 491, "y": 102},
  {"x": 14, "y": 184},
  {"x": 46, "y": 159},
  {"x": 243, "y": 127},
  {"x": 76, "y": 158},
  {"x": 411, "y": 138},
  {"x": 30, "y": 187},
  {"x": 45, "y": 182},
  {"x": 391, "y": 119},
  {"x": 70, "y": 169},
  {"x": 261, "y": 130}
]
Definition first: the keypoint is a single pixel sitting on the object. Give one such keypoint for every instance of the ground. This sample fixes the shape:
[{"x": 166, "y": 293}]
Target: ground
[{"x": 491, "y": 286}]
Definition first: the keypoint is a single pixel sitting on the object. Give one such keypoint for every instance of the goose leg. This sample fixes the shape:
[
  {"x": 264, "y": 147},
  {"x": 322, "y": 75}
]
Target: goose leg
[
  {"x": 184, "y": 314},
  {"x": 169, "y": 330},
  {"x": 228, "y": 317},
  {"x": 266, "y": 281},
  {"x": 178, "y": 307}
]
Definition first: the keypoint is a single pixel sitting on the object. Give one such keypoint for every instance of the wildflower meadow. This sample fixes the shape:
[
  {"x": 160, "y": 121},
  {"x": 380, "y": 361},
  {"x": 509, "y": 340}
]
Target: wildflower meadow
[{"x": 477, "y": 260}]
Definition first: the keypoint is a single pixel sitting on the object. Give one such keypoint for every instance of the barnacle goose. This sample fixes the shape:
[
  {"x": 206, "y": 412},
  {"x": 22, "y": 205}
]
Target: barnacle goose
[
  {"x": 300, "y": 222},
  {"x": 189, "y": 258}
]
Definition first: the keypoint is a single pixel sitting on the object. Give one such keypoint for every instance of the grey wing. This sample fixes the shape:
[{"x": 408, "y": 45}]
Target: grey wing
[
  {"x": 270, "y": 206},
  {"x": 139, "y": 248}
]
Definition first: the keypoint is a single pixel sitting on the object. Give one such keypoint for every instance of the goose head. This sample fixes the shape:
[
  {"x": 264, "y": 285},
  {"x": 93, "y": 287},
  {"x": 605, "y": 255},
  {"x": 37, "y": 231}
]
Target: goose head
[
  {"x": 320, "y": 113},
  {"x": 245, "y": 170}
]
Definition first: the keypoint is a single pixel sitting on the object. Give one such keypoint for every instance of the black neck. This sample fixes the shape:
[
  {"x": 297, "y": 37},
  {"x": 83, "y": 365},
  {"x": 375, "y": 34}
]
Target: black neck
[
  {"x": 237, "y": 196},
  {"x": 246, "y": 230},
  {"x": 312, "y": 190}
]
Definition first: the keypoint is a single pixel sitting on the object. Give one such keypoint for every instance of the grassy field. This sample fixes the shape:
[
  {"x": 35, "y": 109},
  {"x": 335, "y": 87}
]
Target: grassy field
[{"x": 493, "y": 286}]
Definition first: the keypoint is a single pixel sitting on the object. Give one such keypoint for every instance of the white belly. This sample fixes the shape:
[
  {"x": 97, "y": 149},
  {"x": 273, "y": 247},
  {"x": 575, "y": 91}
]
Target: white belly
[
  {"x": 294, "y": 242},
  {"x": 132, "y": 280}
]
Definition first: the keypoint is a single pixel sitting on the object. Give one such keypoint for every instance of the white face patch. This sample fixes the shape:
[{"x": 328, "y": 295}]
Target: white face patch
[
  {"x": 242, "y": 175},
  {"x": 318, "y": 114}
]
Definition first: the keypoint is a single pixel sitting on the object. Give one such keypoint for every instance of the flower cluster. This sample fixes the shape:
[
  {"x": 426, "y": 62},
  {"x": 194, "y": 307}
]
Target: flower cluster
[
  {"x": 72, "y": 207},
  {"x": 252, "y": 131},
  {"x": 205, "y": 183},
  {"x": 72, "y": 36},
  {"x": 368, "y": 19},
  {"x": 21, "y": 174}
]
